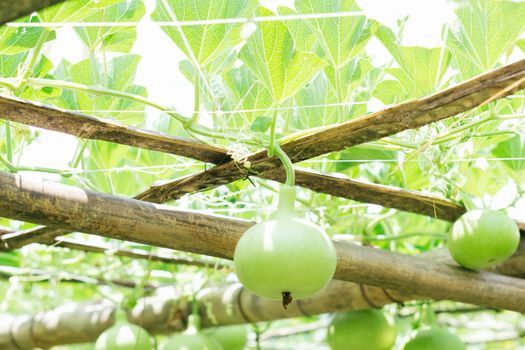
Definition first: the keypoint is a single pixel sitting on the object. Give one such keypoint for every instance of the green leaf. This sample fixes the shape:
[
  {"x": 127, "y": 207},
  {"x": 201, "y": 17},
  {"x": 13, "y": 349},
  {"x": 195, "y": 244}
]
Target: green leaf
[
  {"x": 9, "y": 64},
  {"x": 480, "y": 182},
  {"x": 243, "y": 91},
  {"x": 271, "y": 55},
  {"x": 512, "y": 148},
  {"x": 73, "y": 11},
  {"x": 10, "y": 258},
  {"x": 116, "y": 39},
  {"x": 483, "y": 32},
  {"x": 351, "y": 75},
  {"x": 16, "y": 39},
  {"x": 206, "y": 42},
  {"x": 390, "y": 92},
  {"x": 363, "y": 154},
  {"x": 521, "y": 44},
  {"x": 342, "y": 38},
  {"x": 303, "y": 37},
  {"x": 119, "y": 75},
  {"x": 261, "y": 124},
  {"x": 421, "y": 69},
  {"x": 320, "y": 93}
]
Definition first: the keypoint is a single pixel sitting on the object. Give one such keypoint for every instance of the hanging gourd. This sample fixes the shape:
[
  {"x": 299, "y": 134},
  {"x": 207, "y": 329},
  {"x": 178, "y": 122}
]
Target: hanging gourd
[{"x": 285, "y": 258}]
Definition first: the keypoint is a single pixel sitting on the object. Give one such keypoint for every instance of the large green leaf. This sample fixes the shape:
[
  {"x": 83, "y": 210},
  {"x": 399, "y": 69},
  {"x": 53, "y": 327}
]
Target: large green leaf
[
  {"x": 317, "y": 103},
  {"x": 9, "y": 64},
  {"x": 352, "y": 76},
  {"x": 118, "y": 39},
  {"x": 271, "y": 55},
  {"x": 421, "y": 70},
  {"x": 206, "y": 41},
  {"x": 483, "y": 32},
  {"x": 301, "y": 33},
  {"x": 73, "y": 11},
  {"x": 341, "y": 37},
  {"x": 243, "y": 91},
  {"x": 16, "y": 39},
  {"x": 513, "y": 150},
  {"x": 119, "y": 75}
]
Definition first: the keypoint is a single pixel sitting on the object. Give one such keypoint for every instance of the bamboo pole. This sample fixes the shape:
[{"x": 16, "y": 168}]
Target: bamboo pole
[
  {"x": 11, "y": 10},
  {"x": 71, "y": 208},
  {"x": 408, "y": 115},
  {"x": 167, "y": 311}
]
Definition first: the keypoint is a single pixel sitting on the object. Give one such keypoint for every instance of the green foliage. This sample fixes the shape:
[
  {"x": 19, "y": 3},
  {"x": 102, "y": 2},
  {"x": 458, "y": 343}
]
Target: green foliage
[
  {"x": 118, "y": 39},
  {"x": 421, "y": 70},
  {"x": 261, "y": 124},
  {"x": 207, "y": 42},
  {"x": 309, "y": 73},
  {"x": 341, "y": 38},
  {"x": 514, "y": 150},
  {"x": 271, "y": 56},
  {"x": 484, "y": 31},
  {"x": 118, "y": 74}
]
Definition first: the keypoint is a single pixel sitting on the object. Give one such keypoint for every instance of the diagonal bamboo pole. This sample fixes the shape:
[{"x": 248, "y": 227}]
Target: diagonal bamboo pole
[
  {"x": 11, "y": 10},
  {"x": 412, "y": 114}
]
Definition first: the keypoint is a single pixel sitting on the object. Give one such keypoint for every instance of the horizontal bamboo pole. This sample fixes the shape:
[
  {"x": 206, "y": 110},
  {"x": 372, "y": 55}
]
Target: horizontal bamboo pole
[
  {"x": 408, "y": 115},
  {"x": 167, "y": 311},
  {"x": 71, "y": 208}
]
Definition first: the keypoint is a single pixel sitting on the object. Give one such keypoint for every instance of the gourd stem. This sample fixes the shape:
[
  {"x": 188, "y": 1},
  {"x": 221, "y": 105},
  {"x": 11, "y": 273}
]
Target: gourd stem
[
  {"x": 286, "y": 200},
  {"x": 288, "y": 165}
]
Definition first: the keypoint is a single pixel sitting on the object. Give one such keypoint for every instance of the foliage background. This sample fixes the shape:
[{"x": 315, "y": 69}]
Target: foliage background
[{"x": 243, "y": 76}]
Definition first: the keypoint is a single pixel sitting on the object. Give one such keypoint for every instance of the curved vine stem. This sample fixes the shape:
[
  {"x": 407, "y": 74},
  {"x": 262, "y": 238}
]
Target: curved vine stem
[
  {"x": 197, "y": 104},
  {"x": 271, "y": 148},
  {"x": 288, "y": 165}
]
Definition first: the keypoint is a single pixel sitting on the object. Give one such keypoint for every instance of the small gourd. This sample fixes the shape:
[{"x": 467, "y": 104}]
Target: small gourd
[
  {"x": 362, "y": 329},
  {"x": 435, "y": 339},
  {"x": 124, "y": 336},
  {"x": 483, "y": 238},
  {"x": 192, "y": 338},
  {"x": 230, "y": 337}
]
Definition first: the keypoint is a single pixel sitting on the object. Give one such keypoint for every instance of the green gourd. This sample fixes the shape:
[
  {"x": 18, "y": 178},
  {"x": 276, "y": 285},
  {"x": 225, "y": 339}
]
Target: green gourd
[
  {"x": 124, "y": 336},
  {"x": 362, "y": 329},
  {"x": 192, "y": 338},
  {"x": 230, "y": 337},
  {"x": 435, "y": 339},
  {"x": 285, "y": 258},
  {"x": 483, "y": 238}
]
